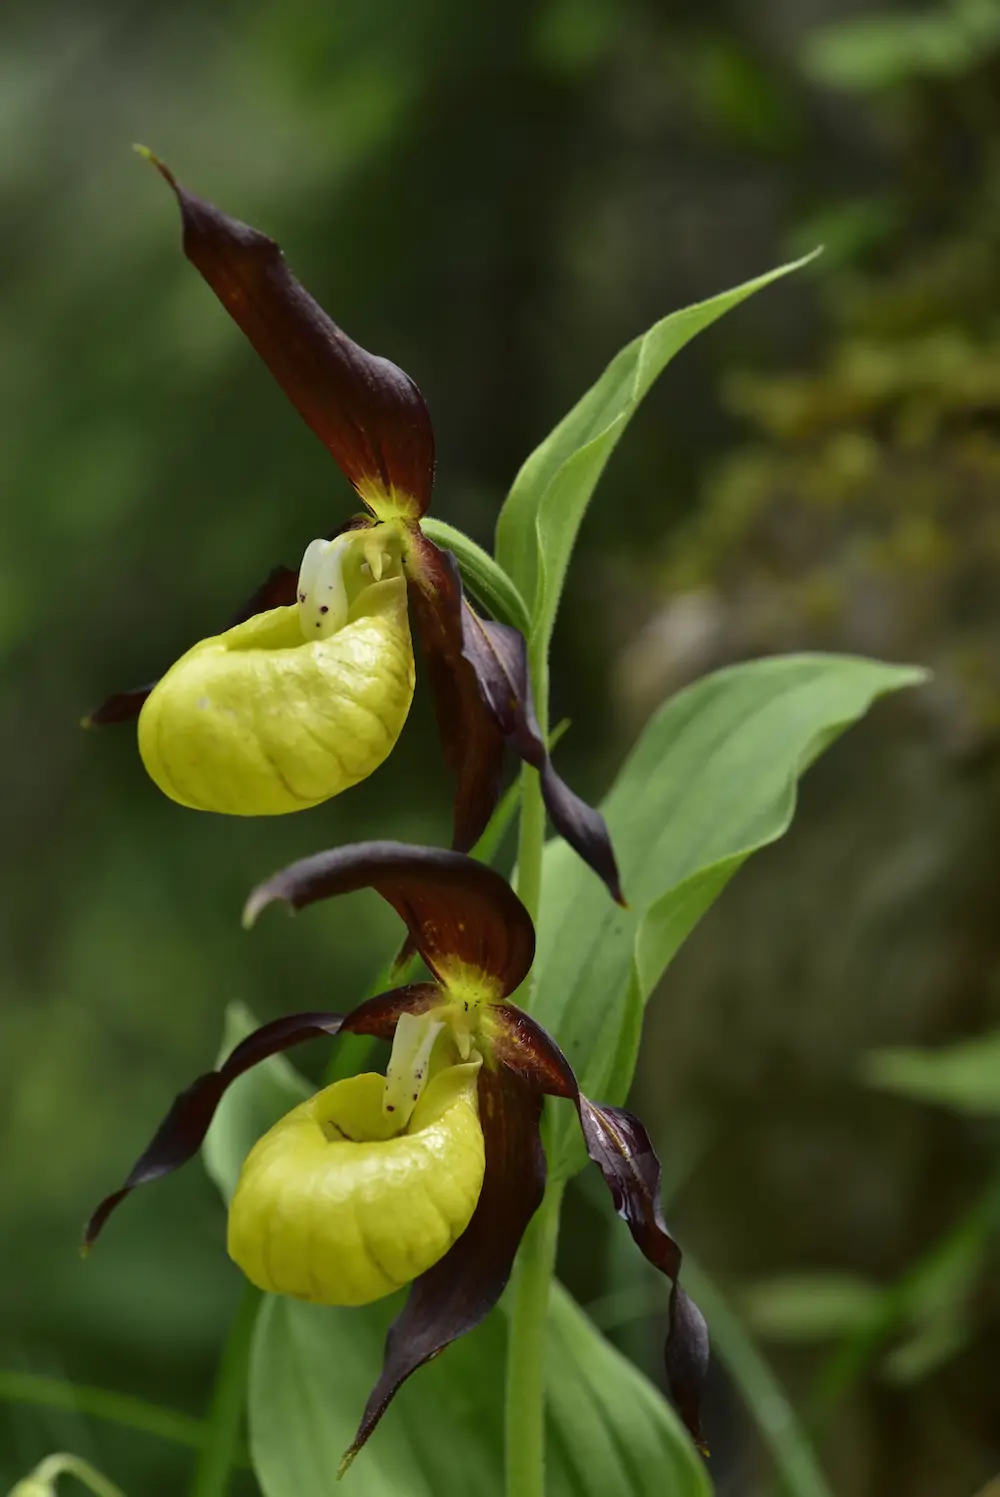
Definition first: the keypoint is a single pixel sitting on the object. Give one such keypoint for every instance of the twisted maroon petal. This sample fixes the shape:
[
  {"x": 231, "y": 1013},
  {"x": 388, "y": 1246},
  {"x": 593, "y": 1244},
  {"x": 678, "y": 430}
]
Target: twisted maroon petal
[
  {"x": 619, "y": 1145},
  {"x": 365, "y": 411},
  {"x": 482, "y": 691},
  {"x": 471, "y": 737},
  {"x": 463, "y": 1287},
  {"x": 182, "y": 1132},
  {"x": 459, "y": 913}
]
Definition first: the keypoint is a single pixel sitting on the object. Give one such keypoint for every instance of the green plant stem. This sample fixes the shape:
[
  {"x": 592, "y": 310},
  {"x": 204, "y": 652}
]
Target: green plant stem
[
  {"x": 536, "y": 1260},
  {"x": 526, "y": 1337},
  {"x": 225, "y": 1416},
  {"x": 54, "y": 1466},
  {"x": 531, "y": 841}
]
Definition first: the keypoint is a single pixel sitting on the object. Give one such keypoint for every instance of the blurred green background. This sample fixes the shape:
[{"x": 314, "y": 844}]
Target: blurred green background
[{"x": 498, "y": 196}]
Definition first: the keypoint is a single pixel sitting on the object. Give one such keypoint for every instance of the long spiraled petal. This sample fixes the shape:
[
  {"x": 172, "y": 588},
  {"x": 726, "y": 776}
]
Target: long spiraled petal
[
  {"x": 482, "y": 690},
  {"x": 621, "y": 1148},
  {"x": 182, "y": 1132},
  {"x": 460, "y": 1290},
  {"x": 462, "y": 916},
  {"x": 619, "y": 1145},
  {"x": 365, "y": 411}
]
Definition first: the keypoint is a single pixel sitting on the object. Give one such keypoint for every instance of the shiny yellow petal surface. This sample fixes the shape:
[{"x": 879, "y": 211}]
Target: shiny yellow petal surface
[
  {"x": 330, "y": 1209},
  {"x": 259, "y": 721}
]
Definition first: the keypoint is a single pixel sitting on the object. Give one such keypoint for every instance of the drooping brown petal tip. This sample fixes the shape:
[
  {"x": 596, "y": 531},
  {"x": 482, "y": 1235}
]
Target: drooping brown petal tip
[
  {"x": 459, "y": 912},
  {"x": 120, "y": 707},
  {"x": 619, "y": 1145},
  {"x": 366, "y": 411}
]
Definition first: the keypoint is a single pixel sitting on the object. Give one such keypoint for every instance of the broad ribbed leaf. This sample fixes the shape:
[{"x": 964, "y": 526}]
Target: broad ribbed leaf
[
  {"x": 712, "y": 778},
  {"x": 540, "y": 518},
  {"x": 610, "y": 1433}
]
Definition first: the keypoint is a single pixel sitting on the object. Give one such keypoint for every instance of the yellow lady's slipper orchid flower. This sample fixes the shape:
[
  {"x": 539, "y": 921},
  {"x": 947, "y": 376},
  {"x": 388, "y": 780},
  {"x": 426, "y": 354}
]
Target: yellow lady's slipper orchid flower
[
  {"x": 432, "y": 1173},
  {"x": 341, "y": 1204},
  {"x": 262, "y": 719},
  {"x": 268, "y": 717}
]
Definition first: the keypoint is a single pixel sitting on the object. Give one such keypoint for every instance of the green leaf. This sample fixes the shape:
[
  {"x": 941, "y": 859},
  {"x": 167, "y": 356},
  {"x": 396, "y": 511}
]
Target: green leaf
[
  {"x": 251, "y": 1105},
  {"x": 312, "y": 1370},
  {"x": 485, "y": 580},
  {"x": 610, "y": 1433},
  {"x": 712, "y": 778},
  {"x": 965, "y": 1077},
  {"x": 538, "y": 524},
  {"x": 615, "y": 1435}
]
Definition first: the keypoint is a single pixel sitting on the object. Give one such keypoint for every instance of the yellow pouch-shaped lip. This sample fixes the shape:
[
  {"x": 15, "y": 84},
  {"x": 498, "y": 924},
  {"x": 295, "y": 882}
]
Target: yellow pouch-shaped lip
[
  {"x": 330, "y": 1209},
  {"x": 259, "y": 721}
]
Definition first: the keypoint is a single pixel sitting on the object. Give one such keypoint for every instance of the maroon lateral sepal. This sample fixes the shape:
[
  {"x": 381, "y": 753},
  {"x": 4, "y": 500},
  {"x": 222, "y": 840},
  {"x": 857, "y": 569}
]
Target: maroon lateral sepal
[
  {"x": 482, "y": 692},
  {"x": 368, "y": 414},
  {"x": 462, "y": 1288},
  {"x": 456, "y": 909},
  {"x": 183, "y": 1130},
  {"x": 621, "y": 1148}
]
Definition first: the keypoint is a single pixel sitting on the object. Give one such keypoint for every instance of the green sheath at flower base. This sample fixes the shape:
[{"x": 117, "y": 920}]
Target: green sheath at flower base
[
  {"x": 262, "y": 719},
  {"x": 339, "y": 1206}
]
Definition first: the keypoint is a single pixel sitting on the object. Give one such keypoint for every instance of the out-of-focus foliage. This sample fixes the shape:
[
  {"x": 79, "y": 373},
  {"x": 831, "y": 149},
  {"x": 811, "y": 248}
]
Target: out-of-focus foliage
[
  {"x": 965, "y": 1076},
  {"x": 890, "y": 48},
  {"x": 862, "y": 513}
]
